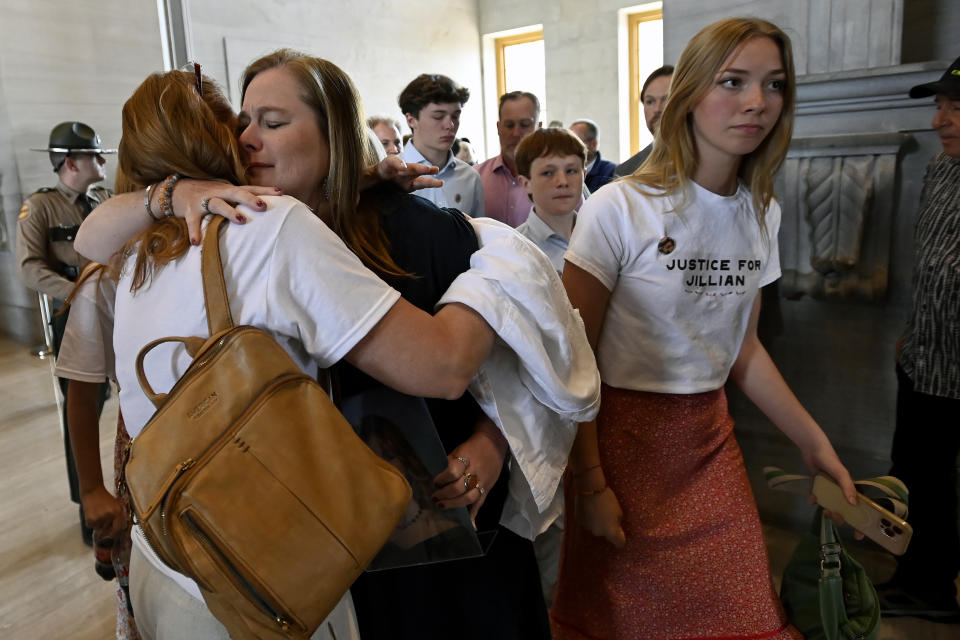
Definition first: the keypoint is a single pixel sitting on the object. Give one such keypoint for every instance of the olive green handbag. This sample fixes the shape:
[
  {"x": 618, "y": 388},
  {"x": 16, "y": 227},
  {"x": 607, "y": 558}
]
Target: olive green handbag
[{"x": 826, "y": 593}]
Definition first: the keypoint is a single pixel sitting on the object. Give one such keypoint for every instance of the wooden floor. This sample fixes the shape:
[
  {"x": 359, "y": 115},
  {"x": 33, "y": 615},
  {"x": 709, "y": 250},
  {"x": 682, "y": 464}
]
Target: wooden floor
[{"x": 48, "y": 589}]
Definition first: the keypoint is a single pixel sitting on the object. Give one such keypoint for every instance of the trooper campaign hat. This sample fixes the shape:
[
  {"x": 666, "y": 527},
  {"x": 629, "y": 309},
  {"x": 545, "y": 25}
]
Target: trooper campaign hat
[
  {"x": 948, "y": 84},
  {"x": 71, "y": 138},
  {"x": 74, "y": 137}
]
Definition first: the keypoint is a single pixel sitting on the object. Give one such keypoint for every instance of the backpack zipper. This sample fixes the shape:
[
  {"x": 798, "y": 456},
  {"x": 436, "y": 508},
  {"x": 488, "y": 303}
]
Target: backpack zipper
[
  {"x": 178, "y": 471},
  {"x": 254, "y": 594}
]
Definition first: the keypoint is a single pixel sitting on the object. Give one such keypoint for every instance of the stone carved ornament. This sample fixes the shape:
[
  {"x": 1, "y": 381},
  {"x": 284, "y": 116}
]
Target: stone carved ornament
[{"x": 838, "y": 200}]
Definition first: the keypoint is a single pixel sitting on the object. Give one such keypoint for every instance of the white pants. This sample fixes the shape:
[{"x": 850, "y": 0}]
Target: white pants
[{"x": 164, "y": 611}]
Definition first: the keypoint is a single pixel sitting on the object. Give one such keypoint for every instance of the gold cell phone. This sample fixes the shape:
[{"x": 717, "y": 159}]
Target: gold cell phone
[{"x": 883, "y": 527}]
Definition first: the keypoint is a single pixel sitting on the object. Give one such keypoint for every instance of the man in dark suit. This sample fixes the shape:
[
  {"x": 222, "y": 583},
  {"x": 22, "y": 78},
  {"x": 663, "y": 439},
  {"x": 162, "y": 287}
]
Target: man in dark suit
[{"x": 654, "y": 97}]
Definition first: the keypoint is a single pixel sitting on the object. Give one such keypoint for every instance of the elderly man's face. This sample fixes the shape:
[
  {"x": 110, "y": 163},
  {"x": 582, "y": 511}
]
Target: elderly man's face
[
  {"x": 946, "y": 121},
  {"x": 389, "y": 137}
]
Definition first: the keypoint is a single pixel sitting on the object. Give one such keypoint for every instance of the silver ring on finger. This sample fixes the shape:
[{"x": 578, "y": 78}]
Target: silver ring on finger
[
  {"x": 470, "y": 481},
  {"x": 481, "y": 490},
  {"x": 205, "y": 205},
  {"x": 464, "y": 461}
]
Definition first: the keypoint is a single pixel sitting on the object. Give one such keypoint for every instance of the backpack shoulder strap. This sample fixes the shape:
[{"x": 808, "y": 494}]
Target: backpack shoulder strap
[{"x": 219, "y": 317}]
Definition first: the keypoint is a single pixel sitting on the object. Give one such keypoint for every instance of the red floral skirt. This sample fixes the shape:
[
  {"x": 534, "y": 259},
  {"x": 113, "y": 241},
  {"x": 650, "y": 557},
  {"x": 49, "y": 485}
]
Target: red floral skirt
[
  {"x": 120, "y": 554},
  {"x": 695, "y": 564}
]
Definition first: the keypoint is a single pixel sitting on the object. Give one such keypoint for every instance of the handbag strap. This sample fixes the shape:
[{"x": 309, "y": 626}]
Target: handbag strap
[
  {"x": 193, "y": 344},
  {"x": 830, "y": 548},
  {"x": 888, "y": 490},
  {"x": 219, "y": 317},
  {"x": 833, "y": 612}
]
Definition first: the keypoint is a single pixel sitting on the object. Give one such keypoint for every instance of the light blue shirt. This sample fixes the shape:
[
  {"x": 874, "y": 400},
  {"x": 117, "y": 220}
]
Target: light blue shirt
[
  {"x": 462, "y": 188},
  {"x": 550, "y": 242}
]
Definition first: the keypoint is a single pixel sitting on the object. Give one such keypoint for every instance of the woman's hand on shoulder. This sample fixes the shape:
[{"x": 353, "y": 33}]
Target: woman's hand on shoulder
[
  {"x": 221, "y": 198},
  {"x": 472, "y": 469},
  {"x": 597, "y": 508},
  {"x": 408, "y": 176}
]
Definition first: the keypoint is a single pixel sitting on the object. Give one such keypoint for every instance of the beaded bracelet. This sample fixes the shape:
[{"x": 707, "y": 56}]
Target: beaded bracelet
[
  {"x": 166, "y": 196},
  {"x": 592, "y": 492},
  {"x": 146, "y": 203}
]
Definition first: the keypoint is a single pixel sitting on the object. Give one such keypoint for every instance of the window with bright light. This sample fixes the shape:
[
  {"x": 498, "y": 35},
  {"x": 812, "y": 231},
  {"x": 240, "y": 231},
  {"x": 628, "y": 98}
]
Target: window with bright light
[
  {"x": 645, "y": 41},
  {"x": 520, "y": 66}
]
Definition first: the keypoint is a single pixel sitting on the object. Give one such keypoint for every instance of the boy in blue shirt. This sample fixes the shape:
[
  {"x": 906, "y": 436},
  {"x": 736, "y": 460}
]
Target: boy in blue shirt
[{"x": 550, "y": 164}]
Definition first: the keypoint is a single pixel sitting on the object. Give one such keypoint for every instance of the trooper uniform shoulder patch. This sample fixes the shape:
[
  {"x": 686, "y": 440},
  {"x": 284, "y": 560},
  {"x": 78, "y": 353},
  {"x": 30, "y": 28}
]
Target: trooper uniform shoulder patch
[{"x": 25, "y": 209}]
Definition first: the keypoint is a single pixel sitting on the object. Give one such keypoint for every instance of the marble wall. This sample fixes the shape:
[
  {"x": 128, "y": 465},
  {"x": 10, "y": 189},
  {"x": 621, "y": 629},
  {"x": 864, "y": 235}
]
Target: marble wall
[
  {"x": 60, "y": 61},
  {"x": 583, "y": 70},
  {"x": 828, "y": 35},
  {"x": 80, "y": 61},
  {"x": 383, "y": 45}
]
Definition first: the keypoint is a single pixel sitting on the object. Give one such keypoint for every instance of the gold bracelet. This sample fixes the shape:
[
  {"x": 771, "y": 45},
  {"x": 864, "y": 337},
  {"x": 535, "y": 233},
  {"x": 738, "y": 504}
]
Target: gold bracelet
[
  {"x": 594, "y": 492},
  {"x": 577, "y": 474}
]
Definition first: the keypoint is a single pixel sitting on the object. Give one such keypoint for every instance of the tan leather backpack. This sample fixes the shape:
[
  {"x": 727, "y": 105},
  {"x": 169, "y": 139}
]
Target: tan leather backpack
[{"x": 248, "y": 479}]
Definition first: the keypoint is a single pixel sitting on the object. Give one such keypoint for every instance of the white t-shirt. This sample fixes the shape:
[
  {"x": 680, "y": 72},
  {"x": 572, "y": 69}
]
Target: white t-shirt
[
  {"x": 285, "y": 272},
  {"x": 86, "y": 350},
  {"x": 675, "y": 319}
]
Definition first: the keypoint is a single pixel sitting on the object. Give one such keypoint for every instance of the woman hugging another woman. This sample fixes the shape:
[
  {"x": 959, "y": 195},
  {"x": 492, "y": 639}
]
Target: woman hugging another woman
[{"x": 302, "y": 129}]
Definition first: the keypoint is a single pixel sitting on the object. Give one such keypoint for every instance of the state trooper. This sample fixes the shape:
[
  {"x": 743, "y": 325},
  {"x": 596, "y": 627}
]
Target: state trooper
[{"x": 46, "y": 226}]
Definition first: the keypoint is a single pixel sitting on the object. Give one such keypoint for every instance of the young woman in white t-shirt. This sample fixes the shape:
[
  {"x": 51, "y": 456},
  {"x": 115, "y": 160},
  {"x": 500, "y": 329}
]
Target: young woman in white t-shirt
[{"x": 663, "y": 538}]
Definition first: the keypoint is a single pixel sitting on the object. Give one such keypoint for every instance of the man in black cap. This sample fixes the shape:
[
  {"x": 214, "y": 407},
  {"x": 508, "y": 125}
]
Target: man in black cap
[
  {"x": 46, "y": 227},
  {"x": 927, "y": 437}
]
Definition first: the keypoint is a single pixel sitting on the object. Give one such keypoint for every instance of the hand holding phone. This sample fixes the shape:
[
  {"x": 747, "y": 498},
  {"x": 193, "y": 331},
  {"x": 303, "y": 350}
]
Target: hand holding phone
[{"x": 883, "y": 527}]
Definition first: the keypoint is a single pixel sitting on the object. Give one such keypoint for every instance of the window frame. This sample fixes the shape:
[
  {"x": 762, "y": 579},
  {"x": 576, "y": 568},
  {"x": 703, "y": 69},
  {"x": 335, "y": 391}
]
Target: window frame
[
  {"x": 500, "y": 44},
  {"x": 636, "y": 82}
]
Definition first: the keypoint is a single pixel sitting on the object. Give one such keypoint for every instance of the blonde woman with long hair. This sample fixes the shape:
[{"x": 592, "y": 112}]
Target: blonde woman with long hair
[{"x": 663, "y": 538}]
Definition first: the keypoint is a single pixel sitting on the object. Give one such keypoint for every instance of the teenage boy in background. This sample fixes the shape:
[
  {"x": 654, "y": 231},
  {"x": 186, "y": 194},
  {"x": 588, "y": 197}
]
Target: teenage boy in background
[{"x": 432, "y": 104}]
